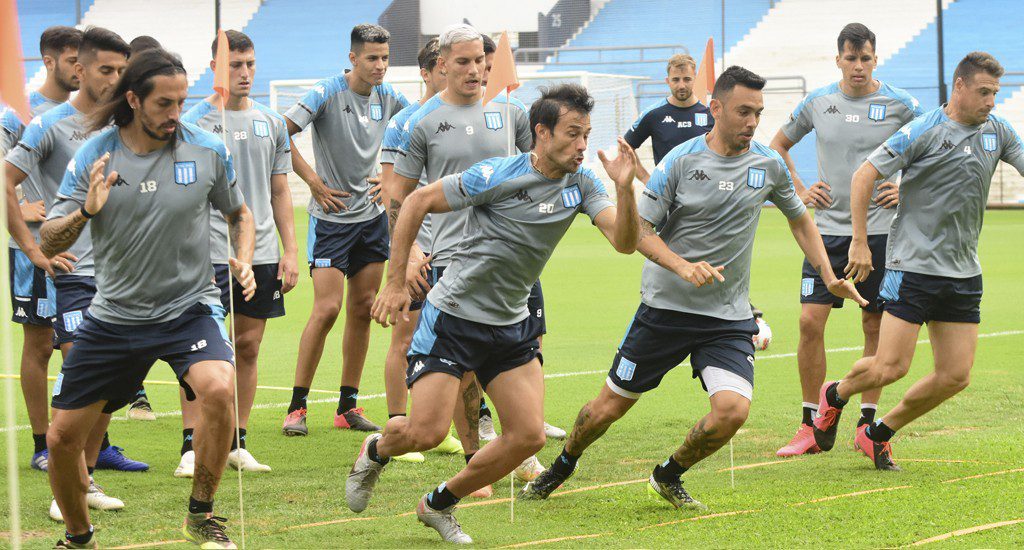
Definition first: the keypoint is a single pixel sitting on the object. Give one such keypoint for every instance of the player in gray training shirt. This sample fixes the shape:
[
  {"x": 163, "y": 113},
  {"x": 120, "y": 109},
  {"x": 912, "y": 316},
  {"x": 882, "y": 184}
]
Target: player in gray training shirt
[
  {"x": 257, "y": 138},
  {"x": 145, "y": 186},
  {"x": 705, "y": 199},
  {"x": 850, "y": 118},
  {"x": 348, "y": 234},
  {"x": 475, "y": 319},
  {"x": 932, "y": 272}
]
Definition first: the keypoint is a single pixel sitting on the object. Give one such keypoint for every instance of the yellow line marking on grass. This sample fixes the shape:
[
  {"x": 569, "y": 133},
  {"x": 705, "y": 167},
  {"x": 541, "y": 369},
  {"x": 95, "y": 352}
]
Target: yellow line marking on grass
[
  {"x": 559, "y": 539},
  {"x": 999, "y": 473},
  {"x": 858, "y": 493},
  {"x": 149, "y": 544},
  {"x": 760, "y": 464},
  {"x": 328, "y": 522},
  {"x": 698, "y": 518},
  {"x": 949, "y": 461},
  {"x": 967, "y": 531},
  {"x": 595, "y": 487}
]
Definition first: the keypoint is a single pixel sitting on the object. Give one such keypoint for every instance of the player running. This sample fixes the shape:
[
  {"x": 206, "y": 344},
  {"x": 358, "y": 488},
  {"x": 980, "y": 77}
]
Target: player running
[
  {"x": 144, "y": 187},
  {"x": 348, "y": 230},
  {"x": 850, "y": 118},
  {"x": 932, "y": 271},
  {"x": 697, "y": 306}
]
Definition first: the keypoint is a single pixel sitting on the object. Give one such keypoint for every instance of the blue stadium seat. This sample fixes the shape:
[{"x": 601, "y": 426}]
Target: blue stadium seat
[{"x": 34, "y": 16}]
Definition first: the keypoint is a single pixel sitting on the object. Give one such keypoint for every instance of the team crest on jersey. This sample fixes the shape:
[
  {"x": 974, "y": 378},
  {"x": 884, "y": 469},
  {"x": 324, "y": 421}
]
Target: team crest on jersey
[
  {"x": 876, "y": 111},
  {"x": 989, "y": 142},
  {"x": 700, "y": 119},
  {"x": 261, "y": 128},
  {"x": 571, "y": 196},
  {"x": 185, "y": 172},
  {"x": 72, "y": 319},
  {"x": 626, "y": 369},
  {"x": 376, "y": 111},
  {"x": 493, "y": 121},
  {"x": 756, "y": 177}
]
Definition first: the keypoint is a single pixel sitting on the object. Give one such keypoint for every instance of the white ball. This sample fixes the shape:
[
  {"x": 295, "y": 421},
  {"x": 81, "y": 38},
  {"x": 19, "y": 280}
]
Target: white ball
[{"x": 763, "y": 338}]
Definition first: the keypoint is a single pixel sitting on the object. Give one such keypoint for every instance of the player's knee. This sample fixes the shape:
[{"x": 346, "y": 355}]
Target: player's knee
[
  {"x": 604, "y": 412},
  {"x": 527, "y": 441},
  {"x": 218, "y": 395},
  {"x": 955, "y": 383},
  {"x": 732, "y": 415},
  {"x": 890, "y": 370},
  {"x": 812, "y": 327},
  {"x": 428, "y": 437},
  {"x": 247, "y": 347},
  {"x": 358, "y": 307},
  {"x": 325, "y": 313},
  {"x": 62, "y": 440},
  {"x": 871, "y": 324}
]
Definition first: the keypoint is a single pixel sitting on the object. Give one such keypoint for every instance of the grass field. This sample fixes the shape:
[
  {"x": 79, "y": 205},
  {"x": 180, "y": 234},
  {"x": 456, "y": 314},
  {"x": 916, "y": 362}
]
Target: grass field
[{"x": 962, "y": 463}]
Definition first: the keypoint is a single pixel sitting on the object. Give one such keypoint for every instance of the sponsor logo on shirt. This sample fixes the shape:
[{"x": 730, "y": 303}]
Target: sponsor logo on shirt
[
  {"x": 571, "y": 196},
  {"x": 218, "y": 129},
  {"x": 832, "y": 110},
  {"x": 119, "y": 181},
  {"x": 79, "y": 136},
  {"x": 756, "y": 177},
  {"x": 626, "y": 369},
  {"x": 261, "y": 128},
  {"x": 376, "y": 111},
  {"x": 522, "y": 195},
  {"x": 185, "y": 172},
  {"x": 946, "y": 145},
  {"x": 444, "y": 127},
  {"x": 700, "y": 119},
  {"x": 876, "y": 111},
  {"x": 989, "y": 142},
  {"x": 698, "y": 175},
  {"x": 668, "y": 119},
  {"x": 493, "y": 121},
  {"x": 347, "y": 109}
]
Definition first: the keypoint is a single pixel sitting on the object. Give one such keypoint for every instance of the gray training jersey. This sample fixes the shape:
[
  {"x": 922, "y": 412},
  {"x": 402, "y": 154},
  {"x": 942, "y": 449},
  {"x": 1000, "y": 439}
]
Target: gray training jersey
[
  {"x": 48, "y": 144},
  {"x": 707, "y": 207},
  {"x": 947, "y": 170},
  {"x": 347, "y": 131},
  {"x": 394, "y": 136},
  {"x": 444, "y": 139},
  {"x": 518, "y": 219},
  {"x": 31, "y": 187},
  {"x": 848, "y": 129},
  {"x": 257, "y": 138},
  {"x": 10, "y": 129},
  {"x": 152, "y": 238}
]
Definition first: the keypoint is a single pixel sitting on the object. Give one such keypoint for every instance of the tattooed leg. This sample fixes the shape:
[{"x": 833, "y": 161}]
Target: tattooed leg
[
  {"x": 728, "y": 413},
  {"x": 215, "y": 428},
  {"x": 467, "y": 414},
  {"x": 595, "y": 418}
]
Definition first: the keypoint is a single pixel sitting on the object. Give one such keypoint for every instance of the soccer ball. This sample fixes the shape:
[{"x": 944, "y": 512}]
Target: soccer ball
[{"x": 763, "y": 338}]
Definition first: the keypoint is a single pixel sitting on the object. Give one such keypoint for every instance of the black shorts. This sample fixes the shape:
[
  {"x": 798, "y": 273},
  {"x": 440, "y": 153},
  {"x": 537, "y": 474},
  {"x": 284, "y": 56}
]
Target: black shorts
[
  {"x": 109, "y": 361},
  {"x": 721, "y": 352},
  {"x": 74, "y": 295},
  {"x": 267, "y": 303},
  {"x": 813, "y": 289},
  {"x": 918, "y": 298},
  {"x": 445, "y": 343},
  {"x": 32, "y": 292},
  {"x": 535, "y": 304},
  {"x": 347, "y": 247}
]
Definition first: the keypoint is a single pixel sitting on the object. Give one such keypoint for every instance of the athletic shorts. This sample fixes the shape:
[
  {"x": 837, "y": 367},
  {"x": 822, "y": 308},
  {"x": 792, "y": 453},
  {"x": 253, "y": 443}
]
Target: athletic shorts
[
  {"x": 110, "y": 361},
  {"x": 720, "y": 351},
  {"x": 267, "y": 303},
  {"x": 813, "y": 289},
  {"x": 32, "y": 292},
  {"x": 74, "y": 296},
  {"x": 347, "y": 247},
  {"x": 446, "y": 343},
  {"x": 534, "y": 304},
  {"x": 918, "y": 298}
]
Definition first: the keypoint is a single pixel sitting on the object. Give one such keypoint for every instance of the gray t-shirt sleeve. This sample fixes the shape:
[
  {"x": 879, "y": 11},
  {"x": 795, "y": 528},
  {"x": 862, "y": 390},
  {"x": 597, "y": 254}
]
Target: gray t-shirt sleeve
[
  {"x": 783, "y": 193},
  {"x": 73, "y": 188},
  {"x": 473, "y": 187},
  {"x": 310, "y": 106},
  {"x": 282, "y": 152},
  {"x": 412, "y": 155},
  {"x": 655, "y": 201},
  {"x": 35, "y": 144},
  {"x": 1013, "y": 151},
  {"x": 225, "y": 195},
  {"x": 800, "y": 123},
  {"x": 896, "y": 152},
  {"x": 595, "y": 197}
]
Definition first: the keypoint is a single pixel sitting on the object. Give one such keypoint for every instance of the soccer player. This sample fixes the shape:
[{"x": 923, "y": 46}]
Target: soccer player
[
  {"x": 348, "y": 230},
  {"x": 476, "y": 317},
  {"x": 260, "y": 149},
  {"x": 144, "y": 187},
  {"x": 31, "y": 273},
  {"x": 851, "y": 118},
  {"x": 932, "y": 271},
  {"x": 694, "y": 285}
]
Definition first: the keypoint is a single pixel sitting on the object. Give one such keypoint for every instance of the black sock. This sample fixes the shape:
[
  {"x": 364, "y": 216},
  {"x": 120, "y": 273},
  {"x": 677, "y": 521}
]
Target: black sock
[
  {"x": 867, "y": 415},
  {"x": 809, "y": 413},
  {"x": 186, "y": 440},
  {"x": 441, "y": 498},
  {"x": 832, "y": 396},
  {"x": 240, "y": 442},
  {"x": 469, "y": 456},
  {"x": 347, "y": 399},
  {"x": 141, "y": 394},
  {"x": 199, "y": 507},
  {"x": 390, "y": 416},
  {"x": 39, "y": 443},
  {"x": 371, "y": 451},
  {"x": 79, "y": 539},
  {"x": 670, "y": 470},
  {"x": 484, "y": 411},
  {"x": 880, "y": 432},
  {"x": 90, "y": 469},
  {"x": 298, "y": 398},
  {"x": 106, "y": 441},
  {"x": 565, "y": 464}
]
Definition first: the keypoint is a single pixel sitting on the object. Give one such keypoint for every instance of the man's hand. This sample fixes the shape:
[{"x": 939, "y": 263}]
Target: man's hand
[
  {"x": 416, "y": 273},
  {"x": 393, "y": 300},
  {"x": 288, "y": 272},
  {"x": 622, "y": 169},
  {"x": 329, "y": 199},
  {"x": 63, "y": 262},
  {"x": 99, "y": 187},
  {"x": 375, "y": 190},
  {"x": 242, "y": 272},
  {"x": 701, "y": 273},
  {"x": 844, "y": 288},
  {"x": 33, "y": 211},
  {"x": 859, "y": 266},
  {"x": 888, "y": 195},
  {"x": 817, "y": 195}
]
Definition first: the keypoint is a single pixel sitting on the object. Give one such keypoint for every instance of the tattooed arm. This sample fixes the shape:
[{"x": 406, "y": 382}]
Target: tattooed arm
[
  {"x": 654, "y": 249},
  {"x": 57, "y": 235},
  {"x": 396, "y": 189}
]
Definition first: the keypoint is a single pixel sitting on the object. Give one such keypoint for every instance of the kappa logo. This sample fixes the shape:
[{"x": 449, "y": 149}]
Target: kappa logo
[
  {"x": 320, "y": 89},
  {"x": 119, "y": 181},
  {"x": 522, "y": 195},
  {"x": 20, "y": 312},
  {"x": 452, "y": 304},
  {"x": 376, "y": 111},
  {"x": 487, "y": 172},
  {"x": 218, "y": 129},
  {"x": 946, "y": 145},
  {"x": 185, "y": 172},
  {"x": 71, "y": 167},
  {"x": 668, "y": 119},
  {"x": 347, "y": 109},
  {"x": 698, "y": 175},
  {"x": 493, "y": 121},
  {"x": 444, "y": 127},
  {"x": 700, "y": 119},
  {"x": 832, "y": 110},
  {"x": 625, "y": 370},
  {"x": 418, "y": 367},
  {"x": 261, "y": 128},
  {"x": 79, "y": 136},
  {"x": 447, "y": 362}
]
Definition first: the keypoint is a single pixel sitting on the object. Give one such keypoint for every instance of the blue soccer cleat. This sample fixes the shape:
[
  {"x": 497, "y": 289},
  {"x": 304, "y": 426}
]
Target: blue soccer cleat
[
  {"x": 40, "y": 460},
  {"x": 112, "y": 458}
]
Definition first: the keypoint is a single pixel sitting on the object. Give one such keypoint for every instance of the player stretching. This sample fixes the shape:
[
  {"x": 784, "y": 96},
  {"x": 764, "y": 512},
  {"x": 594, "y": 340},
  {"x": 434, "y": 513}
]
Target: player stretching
[
  {"x": 144, "y": 187},
  {"x": 851, "y": 118},
  {"x": 697, "y": 306},
  {"x": 932, "y": 272},
  {"x": 348, "y": 230}
]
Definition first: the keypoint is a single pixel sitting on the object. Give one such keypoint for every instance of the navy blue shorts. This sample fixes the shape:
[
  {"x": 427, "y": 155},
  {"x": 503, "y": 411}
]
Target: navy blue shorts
[
  {"x": 813, "y": 289},
  {"x": 347, "y": 247},
  {"x": 267, "y": 303},
  {"x": 535, "y": 303},
  {"x": 721, "y": 352},
  {"x": 445, "y": 343},
  {"x": 109, "y": 362},
  {"x": 918, "y": 298},
  {"x": 32, "y": 292},
  {"x": 74, "y": 296}
]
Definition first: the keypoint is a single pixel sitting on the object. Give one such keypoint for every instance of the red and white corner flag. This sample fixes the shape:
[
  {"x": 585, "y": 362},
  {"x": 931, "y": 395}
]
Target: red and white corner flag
[
  {"x": 503, "y": 77},
  {"x": 221, "y": 80},
  {"x": 12, "y": 69},
  {"x": 705, "y": 82}
]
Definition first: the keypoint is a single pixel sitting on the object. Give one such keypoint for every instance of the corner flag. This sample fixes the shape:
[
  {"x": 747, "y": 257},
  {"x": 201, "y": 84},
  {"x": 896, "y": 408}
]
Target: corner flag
[
  {"x": 705, "y": 82},
  {"x": 12, "y": 69},
  {"x": 503, "y": 77}
]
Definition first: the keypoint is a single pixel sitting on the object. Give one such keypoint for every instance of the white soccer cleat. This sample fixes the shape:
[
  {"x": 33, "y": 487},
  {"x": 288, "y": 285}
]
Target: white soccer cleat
[
  {"x": 553, "y": 432},
  {"x": 55, "y": 514},
  {"x": 529, "y": 469},
  {"x": 487, "y": 429},
  {"x": 187, "y": 465},
  {"x": 362, "y": 478},
  {"x": 242, "y": 459},
  {"x": 442, "y": 521},
  {"x": 763, "y": 338},
  {"x": 98, "y": 500}
]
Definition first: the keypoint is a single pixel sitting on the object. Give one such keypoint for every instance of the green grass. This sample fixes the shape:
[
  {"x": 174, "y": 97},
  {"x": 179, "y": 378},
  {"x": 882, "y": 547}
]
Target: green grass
[{"x": 591, "y": 294}]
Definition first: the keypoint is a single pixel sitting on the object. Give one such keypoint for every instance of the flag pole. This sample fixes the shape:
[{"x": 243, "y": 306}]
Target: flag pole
[{"x": 13, "y": 489}]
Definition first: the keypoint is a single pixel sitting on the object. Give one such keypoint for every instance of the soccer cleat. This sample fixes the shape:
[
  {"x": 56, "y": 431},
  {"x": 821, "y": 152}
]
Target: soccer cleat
[
  {"x": 487, "y": 432},
  {"x": 879, "y": 453},
  {"x": 362, "y": 477},
  {"x": 450, "y": 445},
  {"x": 442, "y": 521},
  {"x": 354, "y": 419},
  {"x": 141, "y": 410},
  {"x": 801, "y": 444},
  {"x": 554, "y": 432},
  {"x": 543, "y": 485},
  {"x": 112, "y": 458},
  {"x": 187, "y": 465},
  {"x": 55, "y": 513},
  {"x": 242, "y": 459},
  {"x": 483, "y": 492},
  {"x": 206, "y": 531},
  {"x": 65, "y": 543},
  {"x": 674, "y": 493},
  {"x": 98, "y": 500},
  {"x": 40, "y": 460},
  {"x": 529, "y": 469},
  {"x": 413, "y": 458},
  {"x": 827, "y": 422},
  {"x": 295, "y": 423}
]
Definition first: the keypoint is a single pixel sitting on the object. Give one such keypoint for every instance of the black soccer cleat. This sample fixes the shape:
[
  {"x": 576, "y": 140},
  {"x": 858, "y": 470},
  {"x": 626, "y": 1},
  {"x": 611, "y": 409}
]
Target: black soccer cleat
[
  {"x": 674, "y": 493},
  {"x": 545, "y": 484}
]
